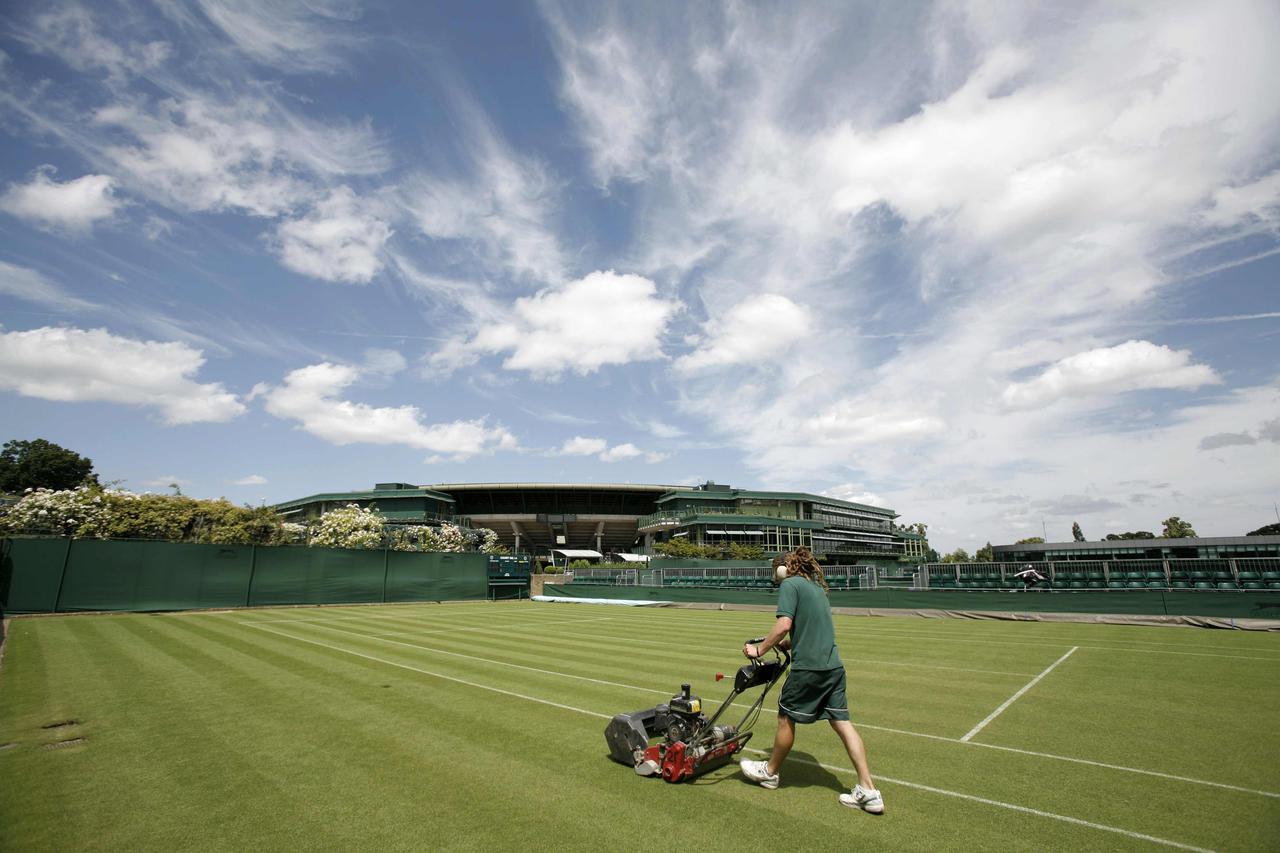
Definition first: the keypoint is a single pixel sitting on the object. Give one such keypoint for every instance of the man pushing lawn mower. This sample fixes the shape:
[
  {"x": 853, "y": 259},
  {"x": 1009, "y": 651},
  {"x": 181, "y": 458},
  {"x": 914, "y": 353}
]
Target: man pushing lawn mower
[{"x": 815, "y": 689}]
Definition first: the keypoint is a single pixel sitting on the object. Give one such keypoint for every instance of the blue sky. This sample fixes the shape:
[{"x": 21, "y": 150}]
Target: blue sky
[{"x": 1000, "y": 267}]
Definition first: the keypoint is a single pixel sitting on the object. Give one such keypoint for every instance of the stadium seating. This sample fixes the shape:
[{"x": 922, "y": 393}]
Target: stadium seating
[{"x": 1226, "y": 585}]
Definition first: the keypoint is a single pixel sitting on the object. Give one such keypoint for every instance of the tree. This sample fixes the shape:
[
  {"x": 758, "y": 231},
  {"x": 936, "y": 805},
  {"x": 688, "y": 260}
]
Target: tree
[
  {"x": 985, "y": 554},
  {"x": 1267, "y": 530},
  {"x": 959, "y": 555},
  {"x": 1176, "y": 528},
  {"x": 1030, "y": 540},
  {"x": 1131, "y": 534},
  {"x": 1076, "y": 533},
  {"x": 41, "y": 464},
  {"x": 931, "y": 556}
]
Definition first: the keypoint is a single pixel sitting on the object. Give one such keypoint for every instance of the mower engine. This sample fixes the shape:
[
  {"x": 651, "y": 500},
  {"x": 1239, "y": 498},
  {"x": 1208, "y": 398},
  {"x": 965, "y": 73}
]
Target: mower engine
[{"x": 691, "y": 742}]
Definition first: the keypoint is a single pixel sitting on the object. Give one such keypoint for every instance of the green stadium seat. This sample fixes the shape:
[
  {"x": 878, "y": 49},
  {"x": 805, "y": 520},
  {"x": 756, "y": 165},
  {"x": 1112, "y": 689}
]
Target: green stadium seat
[
  {"x": 1097, "y": 584},
  {"x": 1076, "y": 584},
  {"x": 1226, "y": 585},
  {"x": 1203, "y": 585},
  {"x": 1180, "y": 584},
  {"x": 1273, "y": 584},
  {"x": 1155, "y": 584},
  {"x": 1133, "y": 576},
  {"x": 1271, "y": 576},
  {"x": 1010, "y": 585},
  {"x": 1155, "y": 576},
  {"x": 1115, "y": 584},
  {"x": 990, "y": 584},
  {"x": 1223, "y": 576},
  {"x": 1134, "y": 585},
  {"x": 1200, "y": 576},
  {"x": 1097, "y": 576},
  {"x": 1253, "y": 585},
  {"x": 1249, "y": 576}
]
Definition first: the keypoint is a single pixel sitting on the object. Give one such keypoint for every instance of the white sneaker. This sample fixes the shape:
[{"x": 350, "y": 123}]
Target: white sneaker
[
  {"x": 758, "y": 771},
  {"x": 861, "y": 798}
]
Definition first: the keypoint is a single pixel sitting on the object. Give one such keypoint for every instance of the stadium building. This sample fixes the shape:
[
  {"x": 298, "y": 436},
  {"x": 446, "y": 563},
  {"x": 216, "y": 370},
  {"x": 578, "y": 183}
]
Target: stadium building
[
  {"x": 629, "y": 519},
  {"x": 1205, "y": 548}
]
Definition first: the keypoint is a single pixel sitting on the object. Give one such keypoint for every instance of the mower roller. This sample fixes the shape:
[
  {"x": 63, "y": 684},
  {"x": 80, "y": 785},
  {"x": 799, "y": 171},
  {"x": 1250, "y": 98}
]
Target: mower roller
[{"x": 691, "y": 742}]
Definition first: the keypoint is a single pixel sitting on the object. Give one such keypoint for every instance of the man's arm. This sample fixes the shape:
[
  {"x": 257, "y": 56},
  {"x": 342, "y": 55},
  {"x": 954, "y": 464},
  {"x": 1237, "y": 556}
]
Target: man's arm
[{"x": 777, "y": 637}]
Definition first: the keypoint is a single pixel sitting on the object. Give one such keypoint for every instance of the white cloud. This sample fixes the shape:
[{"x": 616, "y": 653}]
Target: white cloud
[
  {"x": 74, "y": 365},
  {"x": 621, "y": 451},
  {"x": 855, "y": 493},
  {"x": 599, "y": 448},
  {"x": 251, "y": 480},
  {"x": 583, "y": 446},
  {"x": 601, "y": 319},
  {"x": 340, "y": 239},
  {"x": 752, "y": 332},
  {"x": 71, "y": 205},
  {"x": 309, "y": 395},
  {"x": 1130, "y": 366}
]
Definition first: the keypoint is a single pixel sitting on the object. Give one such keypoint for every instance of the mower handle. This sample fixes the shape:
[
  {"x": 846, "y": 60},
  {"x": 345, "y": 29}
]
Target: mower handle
[{"x": 758, "y": 640}]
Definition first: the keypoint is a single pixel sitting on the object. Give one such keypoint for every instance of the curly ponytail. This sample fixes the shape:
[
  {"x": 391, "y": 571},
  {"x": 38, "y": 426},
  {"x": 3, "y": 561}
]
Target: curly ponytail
[{"x": 802, "y": 562}]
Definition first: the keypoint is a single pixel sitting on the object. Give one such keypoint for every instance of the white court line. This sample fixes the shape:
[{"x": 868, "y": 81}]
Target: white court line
[
  {"x": 1024, "y": 809},
  {"x": 929, "y": 788},
  {"x": 1032, "y": 683},
  {"x": 1014, "y": 749}
]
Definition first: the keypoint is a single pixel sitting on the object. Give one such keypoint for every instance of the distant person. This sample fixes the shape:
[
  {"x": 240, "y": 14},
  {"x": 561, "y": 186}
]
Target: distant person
[
  {"x": 815, "y": 688},
  {"x": 1030, "y": 576}
]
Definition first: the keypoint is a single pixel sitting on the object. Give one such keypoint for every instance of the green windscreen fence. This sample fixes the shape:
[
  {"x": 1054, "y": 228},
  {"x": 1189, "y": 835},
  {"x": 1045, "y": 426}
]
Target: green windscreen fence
[
  {"x": 47, "y": 575},
  {"x": 1233, "y": 604}
]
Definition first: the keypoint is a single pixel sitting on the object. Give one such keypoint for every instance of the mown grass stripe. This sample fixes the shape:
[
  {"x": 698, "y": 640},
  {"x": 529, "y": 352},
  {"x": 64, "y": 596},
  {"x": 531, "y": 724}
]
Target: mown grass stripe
[
  {"x": 625, "y": 642},
  {"x": 943, "y": 738},
  {"x": 904, "y": 783}
]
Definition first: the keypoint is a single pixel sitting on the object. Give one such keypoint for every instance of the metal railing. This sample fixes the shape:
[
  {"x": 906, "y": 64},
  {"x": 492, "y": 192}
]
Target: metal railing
[
  {"x": 754, "y": 577},
  {"x": 1112, "y": 574}
]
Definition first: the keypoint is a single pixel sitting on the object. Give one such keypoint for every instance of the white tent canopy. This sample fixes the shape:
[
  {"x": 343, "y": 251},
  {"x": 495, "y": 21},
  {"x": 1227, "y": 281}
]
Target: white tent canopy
[
  {"x": 574, "y": 554},
  {"x": 633, "y": 558}
]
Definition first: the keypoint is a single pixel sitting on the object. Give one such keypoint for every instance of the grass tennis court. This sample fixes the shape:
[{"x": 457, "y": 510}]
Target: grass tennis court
[{"x": 479, "y": 726}]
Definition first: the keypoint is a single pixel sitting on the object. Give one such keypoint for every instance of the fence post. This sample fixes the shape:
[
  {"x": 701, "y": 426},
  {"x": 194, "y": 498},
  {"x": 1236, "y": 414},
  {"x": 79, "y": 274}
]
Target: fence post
[
  {"x": 386, "y": 567},
  {"x": 66, "y": 558},
  {"x": 253, "y": 566}
]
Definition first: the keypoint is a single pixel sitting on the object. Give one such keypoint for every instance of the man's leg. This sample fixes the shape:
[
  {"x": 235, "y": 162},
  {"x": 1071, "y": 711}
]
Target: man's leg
[
  {"x": 852, "y": 743},
  {"x": 782, "y": 742}
]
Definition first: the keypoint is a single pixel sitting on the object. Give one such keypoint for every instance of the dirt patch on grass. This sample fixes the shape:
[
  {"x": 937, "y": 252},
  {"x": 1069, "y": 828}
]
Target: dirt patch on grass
[
  {"x": 61, "y": 724},
  {"x": 4, "y": 746},
  {"x": 61, "y": 744}
]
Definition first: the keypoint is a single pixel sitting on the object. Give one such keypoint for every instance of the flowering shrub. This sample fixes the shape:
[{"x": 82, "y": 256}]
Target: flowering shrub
[
  {"x": 412, "y": 537},
  {"x": 293, "y": 532},
  {"x": 489, "y": 543},
  {"x": 447, "y": 537},
  {"x": 351, "y": 526},
  {"x": 83, "y": 511}
]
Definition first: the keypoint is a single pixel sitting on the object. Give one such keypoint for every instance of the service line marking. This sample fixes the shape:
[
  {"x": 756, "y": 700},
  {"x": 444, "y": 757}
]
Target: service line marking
[
  {"x": 1014, "y": 698},
  {"x": 1071, "y": 759},
  {"x": 906, "y": 784}
]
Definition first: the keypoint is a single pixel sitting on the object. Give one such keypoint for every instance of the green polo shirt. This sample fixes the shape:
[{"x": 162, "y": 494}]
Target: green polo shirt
[{"x": 813, "y": 637}]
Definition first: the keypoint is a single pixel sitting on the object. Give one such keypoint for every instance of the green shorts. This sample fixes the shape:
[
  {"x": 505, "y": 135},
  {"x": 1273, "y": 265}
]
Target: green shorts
[{"x": 810, "y": 695}]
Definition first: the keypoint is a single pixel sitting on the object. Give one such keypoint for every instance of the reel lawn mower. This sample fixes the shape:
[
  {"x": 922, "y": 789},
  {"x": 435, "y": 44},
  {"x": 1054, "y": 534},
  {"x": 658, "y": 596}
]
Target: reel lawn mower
[{"x": 692, "y": 743}]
